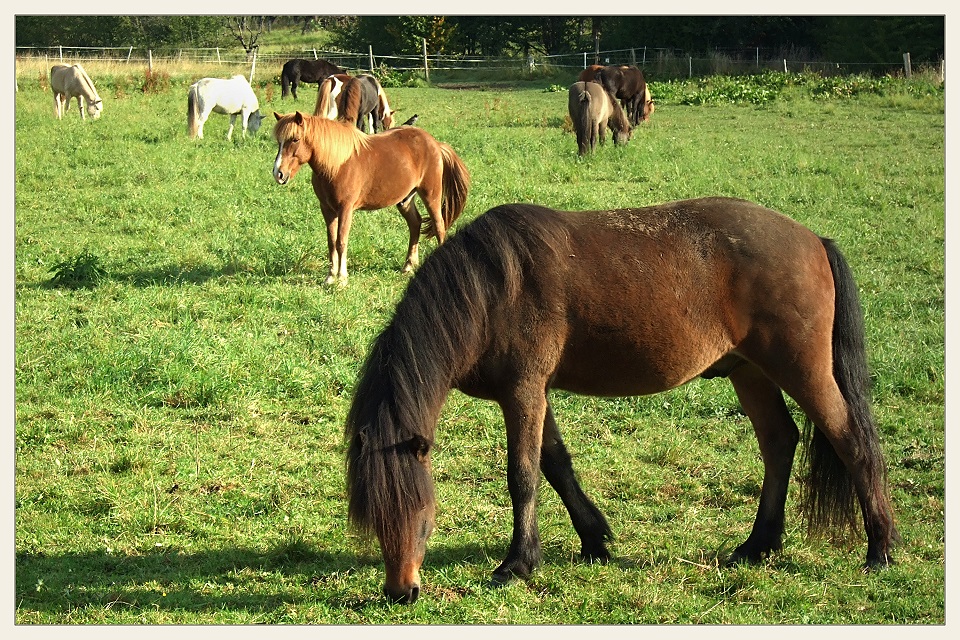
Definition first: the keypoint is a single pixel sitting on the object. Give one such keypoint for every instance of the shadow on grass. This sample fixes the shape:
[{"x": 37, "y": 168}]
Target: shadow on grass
[{"x": 58, "y": 584}]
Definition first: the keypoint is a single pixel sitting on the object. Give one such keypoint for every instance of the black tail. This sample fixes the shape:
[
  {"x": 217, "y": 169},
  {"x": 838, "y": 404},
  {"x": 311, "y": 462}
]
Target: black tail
[{"x": 831, "y": 498}]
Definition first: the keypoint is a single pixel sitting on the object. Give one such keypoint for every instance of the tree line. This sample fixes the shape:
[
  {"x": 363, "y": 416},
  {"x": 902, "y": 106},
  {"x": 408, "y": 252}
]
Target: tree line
[{"x": 857, "y": 38}]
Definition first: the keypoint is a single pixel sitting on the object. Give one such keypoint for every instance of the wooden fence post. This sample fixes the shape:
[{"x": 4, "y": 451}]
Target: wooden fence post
[
  {"x": 370, "y": 53},
  {"x": 907, "y": 71},
  {"x": 150, "y": 60},
  {"x": 426, "y": 67},
  {"x": 253, "y": 67}
]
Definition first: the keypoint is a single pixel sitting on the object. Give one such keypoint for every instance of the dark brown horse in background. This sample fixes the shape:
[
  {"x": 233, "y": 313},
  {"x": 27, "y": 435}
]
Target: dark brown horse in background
[
  {"x": 362, "y": 102},
  {"x": 627, "y": 84},
  {"x": 298, "y": 71},
  {"x": 588, "y": 74},
  {"x": 619, "y": 303},
  {"x": 591, "y": 111},
  {"x": 353, "y": 170}
]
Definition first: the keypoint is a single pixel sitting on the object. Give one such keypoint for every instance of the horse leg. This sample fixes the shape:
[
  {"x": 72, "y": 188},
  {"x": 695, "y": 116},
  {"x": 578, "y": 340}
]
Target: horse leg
[
  {"x": 333, "y": 229},
  {"x": 557, "y": 468},
  {"x": 233, "y": 119},
  {"x": 57, "y": 105},
  {"x": 338, "y": 232},
  {"x": 777, "y": 435},
  {"x": 408, "y": 209},
  {"x": 859, "y": 452},
  {"x": 523, "y": 414}
]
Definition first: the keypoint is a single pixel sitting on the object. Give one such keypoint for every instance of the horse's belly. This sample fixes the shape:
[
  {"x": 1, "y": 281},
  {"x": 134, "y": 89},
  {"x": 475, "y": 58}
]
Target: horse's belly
[{"x": 618, "y": 370}]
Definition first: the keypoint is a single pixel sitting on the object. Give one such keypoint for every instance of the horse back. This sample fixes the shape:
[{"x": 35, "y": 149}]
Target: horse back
[{"x": 658, "y": 294}]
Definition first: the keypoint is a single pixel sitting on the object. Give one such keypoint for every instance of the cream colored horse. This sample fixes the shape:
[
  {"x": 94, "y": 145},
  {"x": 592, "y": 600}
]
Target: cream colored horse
[{"x": 71, "y": 81}]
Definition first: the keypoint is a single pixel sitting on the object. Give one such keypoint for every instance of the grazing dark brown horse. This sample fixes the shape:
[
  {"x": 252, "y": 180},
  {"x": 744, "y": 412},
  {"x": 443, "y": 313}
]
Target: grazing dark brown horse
[
  {"x": 591, "y": 111},
  {"x": 618, "y": 303},
  {"x": 626, "y": 83},
  {"x": 361, "y": 102},
  {"x": 299, "y": 70},
  {"x": 353, "y": 170}
]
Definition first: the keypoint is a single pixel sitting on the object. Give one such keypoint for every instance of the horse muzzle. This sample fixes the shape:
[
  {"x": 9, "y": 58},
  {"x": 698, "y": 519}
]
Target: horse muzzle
[
  {"x": 407, "y": 595},
  {"x": 280, "y": 176}
]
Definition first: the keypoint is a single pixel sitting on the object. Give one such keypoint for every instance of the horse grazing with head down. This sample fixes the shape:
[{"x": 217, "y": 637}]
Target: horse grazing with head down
[
  {"x": 618, "y": 303},
  {"x": 299, "y": 70},
  {"x": 68, "y": 82},
  {"x": 591, "y": 111},
  {"x": 627, "y": 84},
  {"x": 353, "y": 170},
  {"x": 232, "y": 97},
  {"x": 363, "y": 102}
]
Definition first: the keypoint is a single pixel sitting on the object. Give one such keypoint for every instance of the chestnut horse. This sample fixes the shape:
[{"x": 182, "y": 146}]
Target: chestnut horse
[
  {"x": 353, "y": 170},
  {"x": 627, "y": 84},
  {"x": 618, "y": 303},
  {"x": 591, "y": 110}
]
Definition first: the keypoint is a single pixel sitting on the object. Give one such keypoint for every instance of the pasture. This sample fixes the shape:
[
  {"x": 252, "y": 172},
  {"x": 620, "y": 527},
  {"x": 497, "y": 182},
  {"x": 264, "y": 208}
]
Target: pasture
[{"x": 183, "y": 374}]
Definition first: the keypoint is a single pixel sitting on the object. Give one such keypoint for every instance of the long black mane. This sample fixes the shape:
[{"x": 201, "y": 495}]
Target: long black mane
[{"x": 437, "y": 332}]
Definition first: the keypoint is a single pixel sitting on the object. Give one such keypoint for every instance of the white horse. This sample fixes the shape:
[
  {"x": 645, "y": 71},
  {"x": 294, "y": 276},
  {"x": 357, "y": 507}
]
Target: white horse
[
  {"x": 70, "y": 82},
  {"x": 230, "y": 97}
]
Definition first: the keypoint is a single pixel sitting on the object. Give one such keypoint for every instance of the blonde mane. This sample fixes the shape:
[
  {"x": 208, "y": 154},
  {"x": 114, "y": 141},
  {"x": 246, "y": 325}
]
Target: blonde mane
[{"x": 333, "y": 141}]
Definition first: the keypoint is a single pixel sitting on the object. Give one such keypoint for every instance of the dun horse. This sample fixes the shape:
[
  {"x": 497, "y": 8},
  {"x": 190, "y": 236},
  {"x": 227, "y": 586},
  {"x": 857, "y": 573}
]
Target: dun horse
[
  {"x": 618, "y": 303},
  {"x": 70, "y": 82},
  {"x": 353, "y": 170},
  {"x": 591, "y": 111}
]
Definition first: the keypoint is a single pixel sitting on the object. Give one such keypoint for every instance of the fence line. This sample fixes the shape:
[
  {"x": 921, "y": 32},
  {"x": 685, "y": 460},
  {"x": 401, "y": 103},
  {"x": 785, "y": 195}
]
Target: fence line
[{"x": 657, "y": 62}]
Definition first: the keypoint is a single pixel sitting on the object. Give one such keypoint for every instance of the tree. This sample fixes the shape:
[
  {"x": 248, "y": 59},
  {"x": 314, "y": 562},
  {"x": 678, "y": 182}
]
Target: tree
[{"x": 242, "y": 29}]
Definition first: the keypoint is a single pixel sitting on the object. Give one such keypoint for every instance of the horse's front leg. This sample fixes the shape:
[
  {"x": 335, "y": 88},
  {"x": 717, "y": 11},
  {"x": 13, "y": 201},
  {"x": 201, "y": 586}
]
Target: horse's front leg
[
  {"x": 523, "y": 416},
  {"x": 80, "y": 106},
  {"x": 338, "y": 231}
]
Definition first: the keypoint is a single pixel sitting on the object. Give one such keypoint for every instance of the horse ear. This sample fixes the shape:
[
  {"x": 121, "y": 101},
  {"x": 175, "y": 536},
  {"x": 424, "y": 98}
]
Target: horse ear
[
  {"x": 298, "y": 118},
  {"x": 277, "y": 115}
]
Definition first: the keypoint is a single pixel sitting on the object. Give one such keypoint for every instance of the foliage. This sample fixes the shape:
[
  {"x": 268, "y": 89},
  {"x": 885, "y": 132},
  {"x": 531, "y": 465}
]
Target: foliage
[
  {"x": 851, "y": 38},
  {"x": 178, "y": 425},
  {"x": 81, "y": 271}
]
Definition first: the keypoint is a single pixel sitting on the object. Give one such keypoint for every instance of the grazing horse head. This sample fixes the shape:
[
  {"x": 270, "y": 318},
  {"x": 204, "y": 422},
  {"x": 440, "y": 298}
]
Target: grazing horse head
[{"x": 389, "y": 436}]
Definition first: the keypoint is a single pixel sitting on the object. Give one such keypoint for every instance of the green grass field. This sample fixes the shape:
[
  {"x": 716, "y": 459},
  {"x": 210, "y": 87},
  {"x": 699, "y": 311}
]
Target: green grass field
[{"x": 182, "y": 374}]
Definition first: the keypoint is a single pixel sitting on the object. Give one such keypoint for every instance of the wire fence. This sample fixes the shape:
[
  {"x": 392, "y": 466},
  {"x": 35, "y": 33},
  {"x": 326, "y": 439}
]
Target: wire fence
[{"x": 657, "y": 63}]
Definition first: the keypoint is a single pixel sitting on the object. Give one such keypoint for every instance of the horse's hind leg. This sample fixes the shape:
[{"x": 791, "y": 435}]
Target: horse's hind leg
[
  {"x": 557, "y": 468},
  {"x": 233, "y": 119},
  {"x": 777, "y": 435},
  {"x": 408, "y": 209}
]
